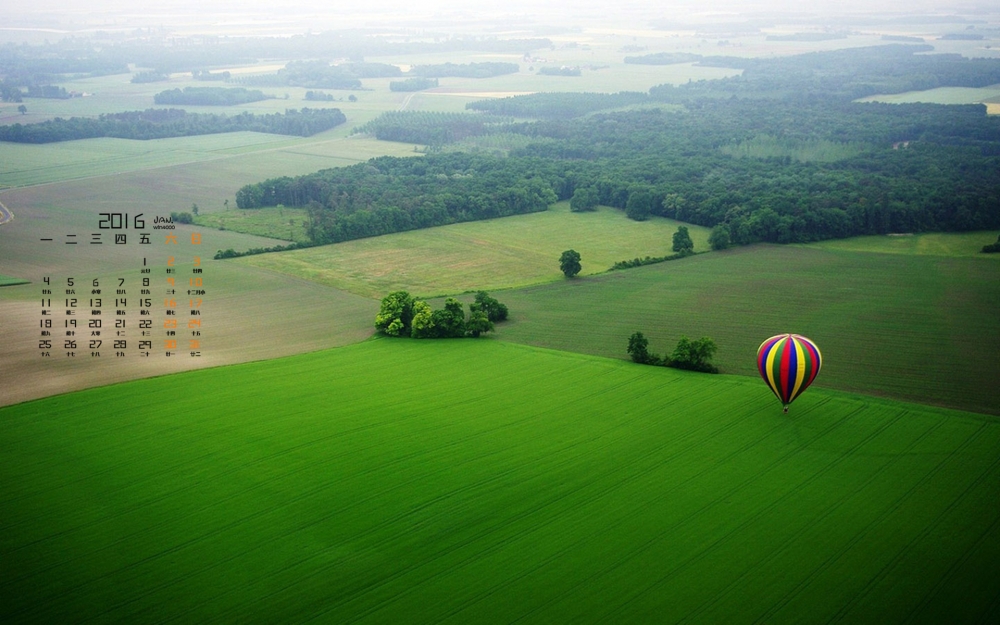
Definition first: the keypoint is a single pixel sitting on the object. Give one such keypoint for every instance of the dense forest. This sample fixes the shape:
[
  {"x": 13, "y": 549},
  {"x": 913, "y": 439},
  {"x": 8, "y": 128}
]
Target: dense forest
[
  {"x": 390, "y": 194},
  {"x": 759, "y": 157},
  {"x": 162, "y": 123},
  {"x": 210, "y": 96}
]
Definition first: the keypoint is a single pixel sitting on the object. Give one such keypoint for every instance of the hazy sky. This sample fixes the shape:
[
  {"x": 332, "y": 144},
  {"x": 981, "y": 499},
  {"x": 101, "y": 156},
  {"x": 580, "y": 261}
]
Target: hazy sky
[{"x": 302, "y": 15}]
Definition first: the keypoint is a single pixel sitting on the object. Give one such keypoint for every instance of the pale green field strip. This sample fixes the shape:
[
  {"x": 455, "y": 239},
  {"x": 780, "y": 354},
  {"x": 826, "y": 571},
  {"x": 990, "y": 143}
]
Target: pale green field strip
[
  {"x": 921, "y": 328},
  {"x": 497, "y": 253},
  {"x": 11, "y": 281},
  {"x": 26, "y": 165},
  {"x": 929, "y": 244},
  {"x": 940, "y": 95},
  {"x": 390, "y": 481},
  {"x": 277, "y": 223}
]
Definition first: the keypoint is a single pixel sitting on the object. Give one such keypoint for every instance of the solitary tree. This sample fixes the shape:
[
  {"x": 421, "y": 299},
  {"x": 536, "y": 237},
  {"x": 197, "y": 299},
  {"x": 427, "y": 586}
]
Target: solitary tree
[
  {"x": 569, "y": 263},
  {"x": 640, "y": 204},
  {"x": 194, "y": 209},
  {"x": 637, "y": 348},
  {"x": 584, "y": 199},
  {"x": 719, "y": 239},
  {"x": 22, "y": 109},
  {"x": 682, "y": 241}
]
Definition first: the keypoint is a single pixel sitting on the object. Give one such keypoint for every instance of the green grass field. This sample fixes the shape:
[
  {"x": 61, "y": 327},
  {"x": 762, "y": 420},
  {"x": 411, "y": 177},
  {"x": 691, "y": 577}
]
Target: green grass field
[
  {"x": 473, "y": 481},
  {"x": 927, "y": 244},
  {"x": 277, "y": 223},
  {"x": 497, "y": 253},
  {"x": 912, "y": 327}
]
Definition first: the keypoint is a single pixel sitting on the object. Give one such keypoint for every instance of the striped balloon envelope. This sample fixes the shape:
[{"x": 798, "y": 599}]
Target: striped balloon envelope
[{"x": 788, "y": 363}]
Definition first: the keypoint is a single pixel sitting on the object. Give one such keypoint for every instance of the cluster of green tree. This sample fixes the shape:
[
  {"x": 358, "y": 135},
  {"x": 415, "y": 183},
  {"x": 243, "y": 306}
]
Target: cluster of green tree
[
  {"x": 902, "y": 38},
  {"x": 413, "y": 84},
  {"x": 10, "y": 92},
  {"x": 47, "y": 91},
  {"x": 402, "y": 315},
  {"x": 389, "y": 194},
  {"x": 319, "y": 96},
  {"x": 992, "y": 248},
  {"x": 690, "y": 355},
  {"x": 162, "y": 123},
  {"x": 465, "y": 70},
  {"x": 663, "y": 58},
  {"x": 560, "y": 71},
  {"x": 210, "y": 96},
  {"x": 322, "y": 75},
  {"x": 25, "y": 65},
  {"x": 150, "y": 76},
  {"x": 182, "y": 218},
  {"x": 210, "y": 76},
  {"x": 840, "y": 74},
  {"x": 253, "y": 251},
  {"x": 557, "y": 105},
  {"x": 430, "y": 127}
]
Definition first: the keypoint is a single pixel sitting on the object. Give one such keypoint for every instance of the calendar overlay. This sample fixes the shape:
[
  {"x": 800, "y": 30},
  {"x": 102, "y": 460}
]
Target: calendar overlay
[{"x": 153, "y": 310}]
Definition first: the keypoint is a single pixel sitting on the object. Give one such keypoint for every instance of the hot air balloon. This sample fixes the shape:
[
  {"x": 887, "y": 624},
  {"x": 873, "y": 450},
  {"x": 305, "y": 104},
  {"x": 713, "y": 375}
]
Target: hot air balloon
[{"x": 789, "y": 364}]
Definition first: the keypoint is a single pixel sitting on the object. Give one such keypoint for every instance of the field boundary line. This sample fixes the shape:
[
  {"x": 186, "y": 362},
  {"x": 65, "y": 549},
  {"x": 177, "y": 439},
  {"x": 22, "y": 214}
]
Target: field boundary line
[
  {"x": 810, "y": 526},
  {"x": 794, "y": 592},
  {"x": 891, "y": 564},
  {"x": 759, "y": 513},
  {"x": 952, "y": 570}
]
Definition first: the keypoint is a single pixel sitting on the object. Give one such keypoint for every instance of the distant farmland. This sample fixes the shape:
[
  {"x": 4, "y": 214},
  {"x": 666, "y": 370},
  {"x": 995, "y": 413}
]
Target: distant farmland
[{"x": 478, "y": 480}]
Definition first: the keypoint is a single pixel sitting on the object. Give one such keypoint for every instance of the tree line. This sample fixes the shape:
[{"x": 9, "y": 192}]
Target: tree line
[
  {"x": 413, "y": 84},
  {"x": 163, "y": 123},
  {"x": 690, "y": 355},
  {"x": 557, "y": 105},
  {"x": 210, "y": 96},
  {"x": 432, "y": 128},
  {"x": 465, "y": 70}
]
